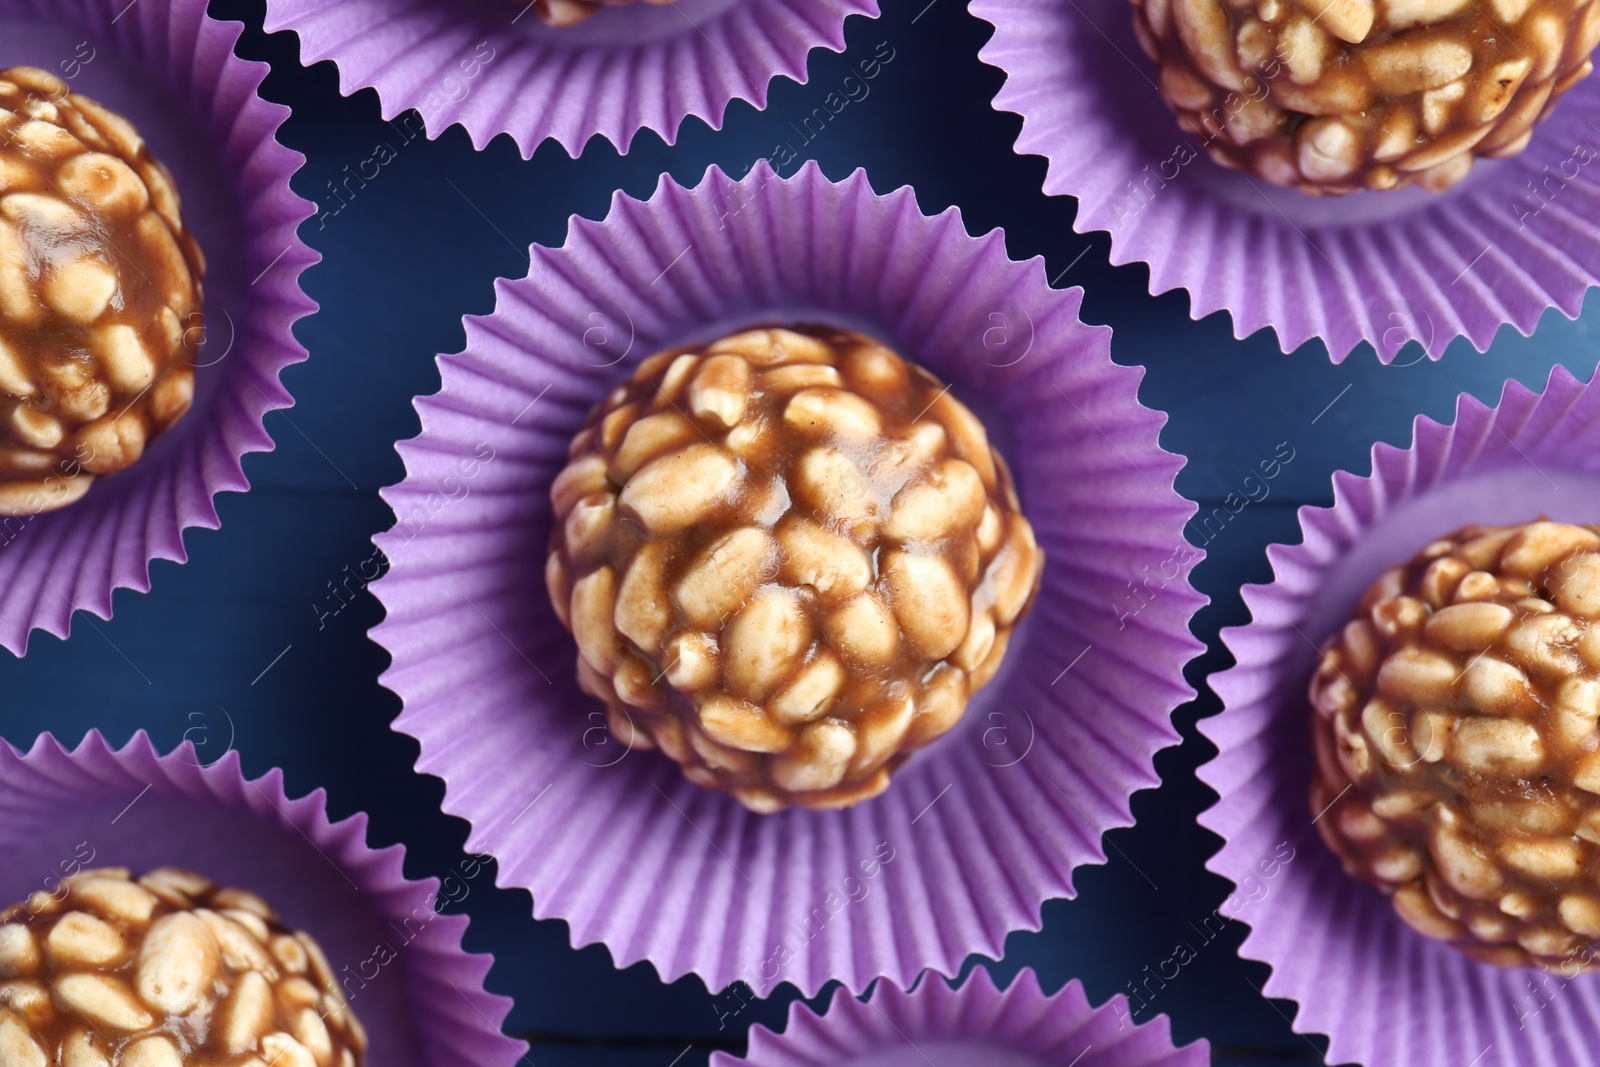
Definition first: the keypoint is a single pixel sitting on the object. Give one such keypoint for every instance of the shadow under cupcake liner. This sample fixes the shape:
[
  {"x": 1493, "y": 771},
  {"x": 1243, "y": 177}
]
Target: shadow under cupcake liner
[
  {"x": 977, "y": 830},
  {"x": 494, "y": 68},
  {"x": 171, "y": 70},
  {"x": 973, "y": 1025},
  {"x": 1385, "y": 995},
  {"x": 1517, "y": 237},
  {"x": 398, "y": 960}
]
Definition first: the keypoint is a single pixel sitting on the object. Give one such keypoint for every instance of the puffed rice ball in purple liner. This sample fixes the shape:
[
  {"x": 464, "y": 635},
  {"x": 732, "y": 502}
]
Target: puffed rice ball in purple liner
[
  {"x": 563, "y": 13},
  {"x": 165, "y": 970},
  {"x": 788, "y": 558},
  {"x": 1457, "y": 732},
  {"x": 100, "y": 294},
  {"x": 1331, "y": 96}
]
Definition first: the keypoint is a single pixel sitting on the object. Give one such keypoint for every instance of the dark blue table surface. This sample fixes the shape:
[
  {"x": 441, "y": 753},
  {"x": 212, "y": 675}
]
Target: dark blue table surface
[{"x": 412, "y": 252}]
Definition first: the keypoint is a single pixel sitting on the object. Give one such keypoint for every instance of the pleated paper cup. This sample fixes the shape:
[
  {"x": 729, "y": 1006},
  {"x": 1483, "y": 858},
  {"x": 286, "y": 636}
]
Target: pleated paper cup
[
  {"x": 1385, "y": 995},
  {"x": 977, "y": 830},
  {"x": 398, "y": 960},
  {"x": 170, "y": 68},
  {"x": 975, "y": 1025},
  {"x": 494, "y": 67},
  {"x": 1517, "y": 237}
]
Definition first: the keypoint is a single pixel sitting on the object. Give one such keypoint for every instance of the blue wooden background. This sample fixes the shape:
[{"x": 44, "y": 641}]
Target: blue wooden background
[{"x": 409, "y": 255}]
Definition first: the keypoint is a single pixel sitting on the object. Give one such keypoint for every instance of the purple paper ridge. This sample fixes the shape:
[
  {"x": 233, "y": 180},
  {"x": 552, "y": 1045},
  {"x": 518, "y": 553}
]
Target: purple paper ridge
[
  {"x": 494, "y": 68},
  {"x": 977, "y": 830},
  {"x": 971, "y": 1025},
  {"x": 1517, "y": 237},
  {"x": 1385, "y": 995},
  {"x": 171, "y": 69},
  {"x": 398, "y": 958}
]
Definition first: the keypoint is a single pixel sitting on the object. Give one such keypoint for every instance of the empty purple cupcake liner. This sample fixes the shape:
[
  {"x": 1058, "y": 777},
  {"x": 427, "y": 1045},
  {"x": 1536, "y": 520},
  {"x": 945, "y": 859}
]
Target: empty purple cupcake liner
[
  {"x": 973, "y": 1025},
  {"x": 1517, "y": 237},
  {"x": 1385, "y": 995},
  {"x": 398, "y": 959},
  {"x": 977, "y": 831},
  {"x": 494, "y": 68},
  {"x": 171, "y": 69}
]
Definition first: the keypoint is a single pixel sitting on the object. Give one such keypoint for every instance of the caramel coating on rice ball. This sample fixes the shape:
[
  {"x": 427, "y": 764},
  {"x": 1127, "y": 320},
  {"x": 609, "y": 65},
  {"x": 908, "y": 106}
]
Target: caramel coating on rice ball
[
  {"x": 99, "y": 285},
  {"x": 788, "y": 558},
  {"x": 563, "y": 13},
  {"x": 168, "y": 970},
  {"x": 1458, "y": 755},
  {"x": 1337, "y": 95}
]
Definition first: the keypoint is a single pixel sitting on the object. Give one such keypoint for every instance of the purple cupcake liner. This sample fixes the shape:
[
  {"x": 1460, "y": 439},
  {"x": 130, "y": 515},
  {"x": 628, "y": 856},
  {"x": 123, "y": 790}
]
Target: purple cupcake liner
[
  {"x": 1385, "y": 995},
  {"x": 171, "y": 69},
  {"x": 400, "y": 961},
  {"x": 1516, "y": 237},
  {"x": 493, "y": 67},
  {"x": 976, "y": 831},
  {"x": 975, "y": 1025}
]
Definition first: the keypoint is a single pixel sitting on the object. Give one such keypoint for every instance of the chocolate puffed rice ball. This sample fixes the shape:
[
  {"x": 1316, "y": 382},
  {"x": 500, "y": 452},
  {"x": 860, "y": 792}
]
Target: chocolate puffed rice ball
[
  {"x": 1457, "y": 748},
  {"x": 1337, "y": 95},
  {"x": 788, "y": 558},
  {"x": 99, "y": 285},
  {"x": 167, "y": 970},
  {"x": 563, "y": 13}
]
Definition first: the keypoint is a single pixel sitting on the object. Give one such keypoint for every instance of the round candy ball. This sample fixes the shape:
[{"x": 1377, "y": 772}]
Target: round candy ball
[
  {"x": 564, "y": 13},
  {"x": 1337, "y": 95},
  {"x": 788, "y": 558},
  {"x": 165, "y": 971},
  {"x": 99, "y": 293},
  {"x": 1457, "y": 748}
]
